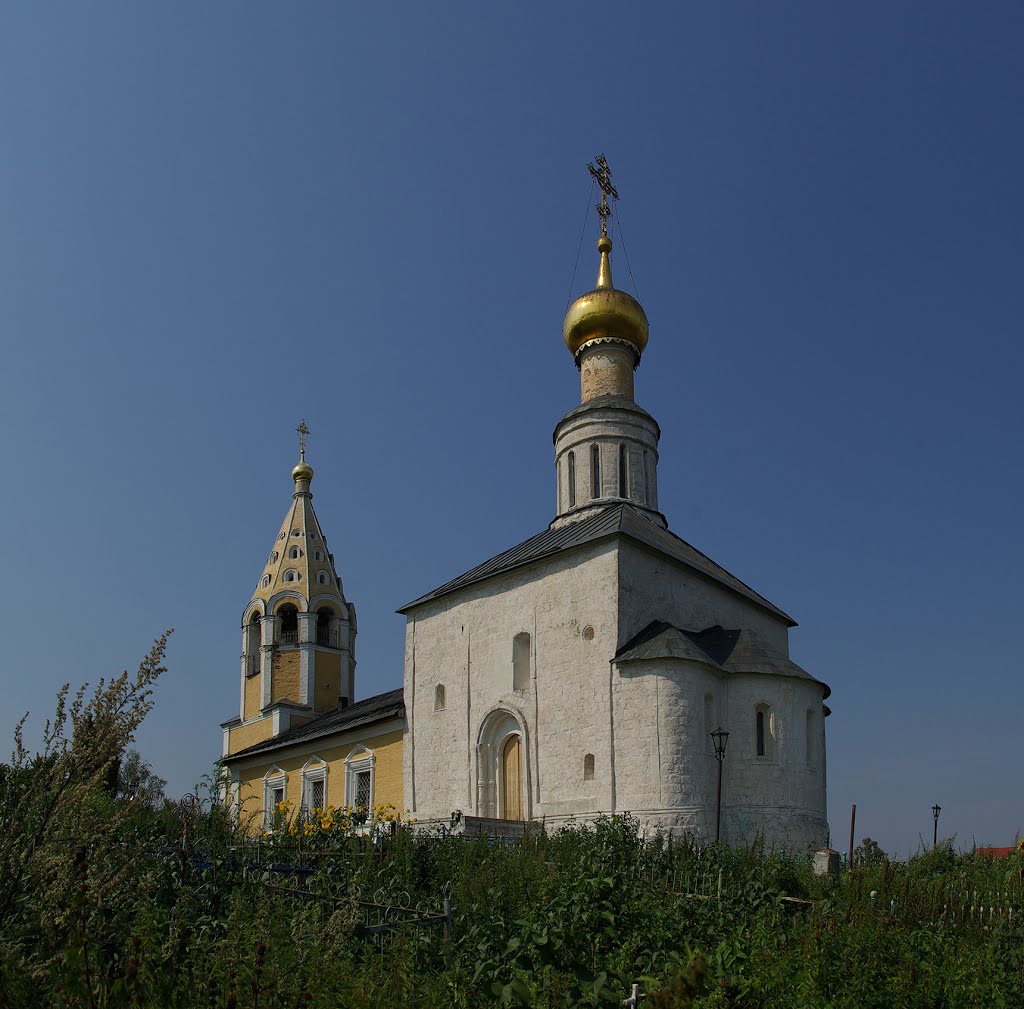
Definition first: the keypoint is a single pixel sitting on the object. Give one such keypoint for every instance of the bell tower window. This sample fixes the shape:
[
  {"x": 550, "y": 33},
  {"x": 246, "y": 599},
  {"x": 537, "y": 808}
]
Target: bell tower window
[
  {"x": 289, "y": 625},
  {"x": 595, "y": 471},
  {"x": 323, "y": 629},
  {"x": 572, "y": 479},
  {"x": 623, "y": 475}
]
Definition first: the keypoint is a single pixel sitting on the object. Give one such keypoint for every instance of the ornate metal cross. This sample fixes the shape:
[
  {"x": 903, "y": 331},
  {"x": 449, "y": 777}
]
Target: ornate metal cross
[
  {"x": 602, "y": 175},
  {"x": 303, "y": 433}
]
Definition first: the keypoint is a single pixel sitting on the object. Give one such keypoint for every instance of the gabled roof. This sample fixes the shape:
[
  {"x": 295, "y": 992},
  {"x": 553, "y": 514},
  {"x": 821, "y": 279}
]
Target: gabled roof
[
  {"x": 731, "y": 651},
  {"x": 616, "y": 519},
  {"x": 379, "y": 708}
]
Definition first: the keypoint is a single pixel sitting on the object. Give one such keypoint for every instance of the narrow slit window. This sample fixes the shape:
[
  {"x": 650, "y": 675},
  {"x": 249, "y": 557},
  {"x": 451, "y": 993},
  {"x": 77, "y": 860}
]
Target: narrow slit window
[
  {"x": 572, "y": 479},
  {"x": 521, "y": 661},
  {"x": 439, "y": 698},
  {"x": 623, "y": 475},
  {"x": 764, "y": 732},
  {"x": 595, "y": 469},
  {"x": 588, "y": 767}
]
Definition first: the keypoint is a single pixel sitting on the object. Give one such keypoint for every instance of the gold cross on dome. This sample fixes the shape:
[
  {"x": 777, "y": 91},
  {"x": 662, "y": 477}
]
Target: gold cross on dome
[
  {"x": 602, "y": 175},
  {"x": 303, "y": 433}
]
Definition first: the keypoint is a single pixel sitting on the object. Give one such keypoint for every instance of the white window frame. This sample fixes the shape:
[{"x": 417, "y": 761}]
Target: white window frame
[
  {"x": 359, "y": 761},
  {"x": 314, "y": 770},
  {"x": 275, "y": 779}
]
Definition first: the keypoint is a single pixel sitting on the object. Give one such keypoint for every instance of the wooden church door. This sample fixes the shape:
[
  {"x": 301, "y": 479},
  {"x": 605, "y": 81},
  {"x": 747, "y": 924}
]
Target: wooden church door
[{"x": 511, "y": 779}]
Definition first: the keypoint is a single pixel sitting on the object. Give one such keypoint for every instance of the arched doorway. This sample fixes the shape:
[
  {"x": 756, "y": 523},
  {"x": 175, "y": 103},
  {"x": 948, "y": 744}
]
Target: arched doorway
[
  {"x": 512, "y": 779},
  {"x": 503, "y": 767}
]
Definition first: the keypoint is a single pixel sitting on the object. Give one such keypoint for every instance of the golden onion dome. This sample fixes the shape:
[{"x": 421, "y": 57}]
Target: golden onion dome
[
  {"x": 303, "y": 471},
  {"x": 605, "y": 315}
]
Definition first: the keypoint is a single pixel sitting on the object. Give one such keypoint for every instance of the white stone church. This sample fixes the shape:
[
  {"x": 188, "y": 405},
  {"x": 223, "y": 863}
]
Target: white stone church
[{"x": 579, "y": 672}]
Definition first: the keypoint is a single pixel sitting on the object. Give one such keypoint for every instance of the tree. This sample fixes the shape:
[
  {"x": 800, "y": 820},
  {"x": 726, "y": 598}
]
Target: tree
[{"x": 137, "y": 782}]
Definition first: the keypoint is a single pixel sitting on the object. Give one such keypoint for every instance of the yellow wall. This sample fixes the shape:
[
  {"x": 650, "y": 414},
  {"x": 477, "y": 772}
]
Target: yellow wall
[
  {"x": 285, "y": 682},
  {"x": 249, "y": 735},
  {"x": 387, "y": 774},
  {"x": 328, "y": 680},
  {"x": 252, "y": 696}
]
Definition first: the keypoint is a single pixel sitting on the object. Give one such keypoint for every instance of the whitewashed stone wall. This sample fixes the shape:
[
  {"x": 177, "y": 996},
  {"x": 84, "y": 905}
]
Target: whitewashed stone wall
[
  {"x": 465, "y": 643},
  {"x": 645, "y": 723}
]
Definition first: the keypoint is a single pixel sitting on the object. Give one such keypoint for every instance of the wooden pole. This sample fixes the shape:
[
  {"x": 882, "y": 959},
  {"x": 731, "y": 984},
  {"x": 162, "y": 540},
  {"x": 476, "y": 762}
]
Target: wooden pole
[{"x": 853, "y": 819}]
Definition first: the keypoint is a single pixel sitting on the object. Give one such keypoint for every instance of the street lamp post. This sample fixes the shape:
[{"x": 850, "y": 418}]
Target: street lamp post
[
  {"x": 936, "y": 809},
  {"x": 719, "y": 737}
]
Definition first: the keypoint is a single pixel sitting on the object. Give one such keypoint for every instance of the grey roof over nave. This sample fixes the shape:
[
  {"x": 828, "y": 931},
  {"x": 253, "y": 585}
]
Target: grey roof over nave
[
  {"x": 379, "y": 708},
  {"x": 614, "y": 520}
]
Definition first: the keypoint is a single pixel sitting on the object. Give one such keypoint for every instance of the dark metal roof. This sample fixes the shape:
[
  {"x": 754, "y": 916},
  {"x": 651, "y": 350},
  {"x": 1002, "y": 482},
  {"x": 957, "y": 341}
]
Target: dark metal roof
[
  {"x": 732, "y": 651},
  {"x": 379, "y": 708},
  {"x": 616, "y": 519}
]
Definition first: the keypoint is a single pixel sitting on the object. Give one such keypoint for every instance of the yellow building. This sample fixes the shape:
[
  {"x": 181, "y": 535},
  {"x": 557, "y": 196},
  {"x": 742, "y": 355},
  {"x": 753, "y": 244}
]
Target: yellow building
[{"x": 299, "y": 737}]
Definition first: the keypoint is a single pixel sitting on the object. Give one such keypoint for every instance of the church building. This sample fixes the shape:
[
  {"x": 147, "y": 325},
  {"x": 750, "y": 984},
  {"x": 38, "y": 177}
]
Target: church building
[{"x": 582, "y": 671}]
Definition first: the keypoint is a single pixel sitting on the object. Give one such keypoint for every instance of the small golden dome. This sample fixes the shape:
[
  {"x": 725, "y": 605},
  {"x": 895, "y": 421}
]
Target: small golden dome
[
  {"x": 605, "y": 314},
  {"x": 303, "y": 471}
]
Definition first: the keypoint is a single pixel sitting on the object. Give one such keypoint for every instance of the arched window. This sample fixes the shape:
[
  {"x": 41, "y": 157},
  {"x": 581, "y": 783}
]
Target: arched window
[
  {"x": 275, "y": 788},
  {"x": 623, "y": 475},
  {"x": 439, "y": 697},
  {"x": 318, "y": 555},
  {"x": 295, "y": 553},
  {"x": 322, "y": 578},
  {"x": 359, "y": 779},
  {"x": 324, "y": 636},
  {"x": 521, "y": 661},
  {"x": 289, "y": 624},
  {"x": 572, "y": 479},
  {"x": 291, "y": 575},
  {"x": 764, "y": 732},
  {"x": 265, "y": 581},
  {"x": 314, "y": 784},
  {"x": 595, "y": 471},
  {"x": 273, "y": 557},
  {"x": 811, "y": 738},
  {"x": 588, "y": 767}
]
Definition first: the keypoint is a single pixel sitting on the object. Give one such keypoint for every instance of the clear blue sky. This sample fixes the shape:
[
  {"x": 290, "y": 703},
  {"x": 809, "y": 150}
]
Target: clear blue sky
[{"x": 217, "y": 219}]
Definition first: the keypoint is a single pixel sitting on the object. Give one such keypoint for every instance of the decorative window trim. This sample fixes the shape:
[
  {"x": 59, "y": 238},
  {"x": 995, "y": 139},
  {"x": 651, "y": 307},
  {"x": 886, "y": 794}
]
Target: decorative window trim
[
  {"x": 318, "y": 555},
  {"x": 314, "y": 771},
  {"x": 265, "y": 582},
  {"x": 291, "y": 575},
  {"x": 321, "y": 578},
  {"x": 359, "y": 761},
  {"x": 274, "y": 781},
  {"x": 295, "y": 553}
]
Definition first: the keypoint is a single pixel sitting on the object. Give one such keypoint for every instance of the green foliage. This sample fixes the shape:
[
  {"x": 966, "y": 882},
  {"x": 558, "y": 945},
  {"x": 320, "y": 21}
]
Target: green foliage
[{"x": 112, "y": 903}]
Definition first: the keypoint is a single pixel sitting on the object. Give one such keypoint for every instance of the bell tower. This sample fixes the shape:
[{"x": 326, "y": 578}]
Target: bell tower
[
  {"x": 606, "y": 449},
  {"x": 298, "y": 630}
]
